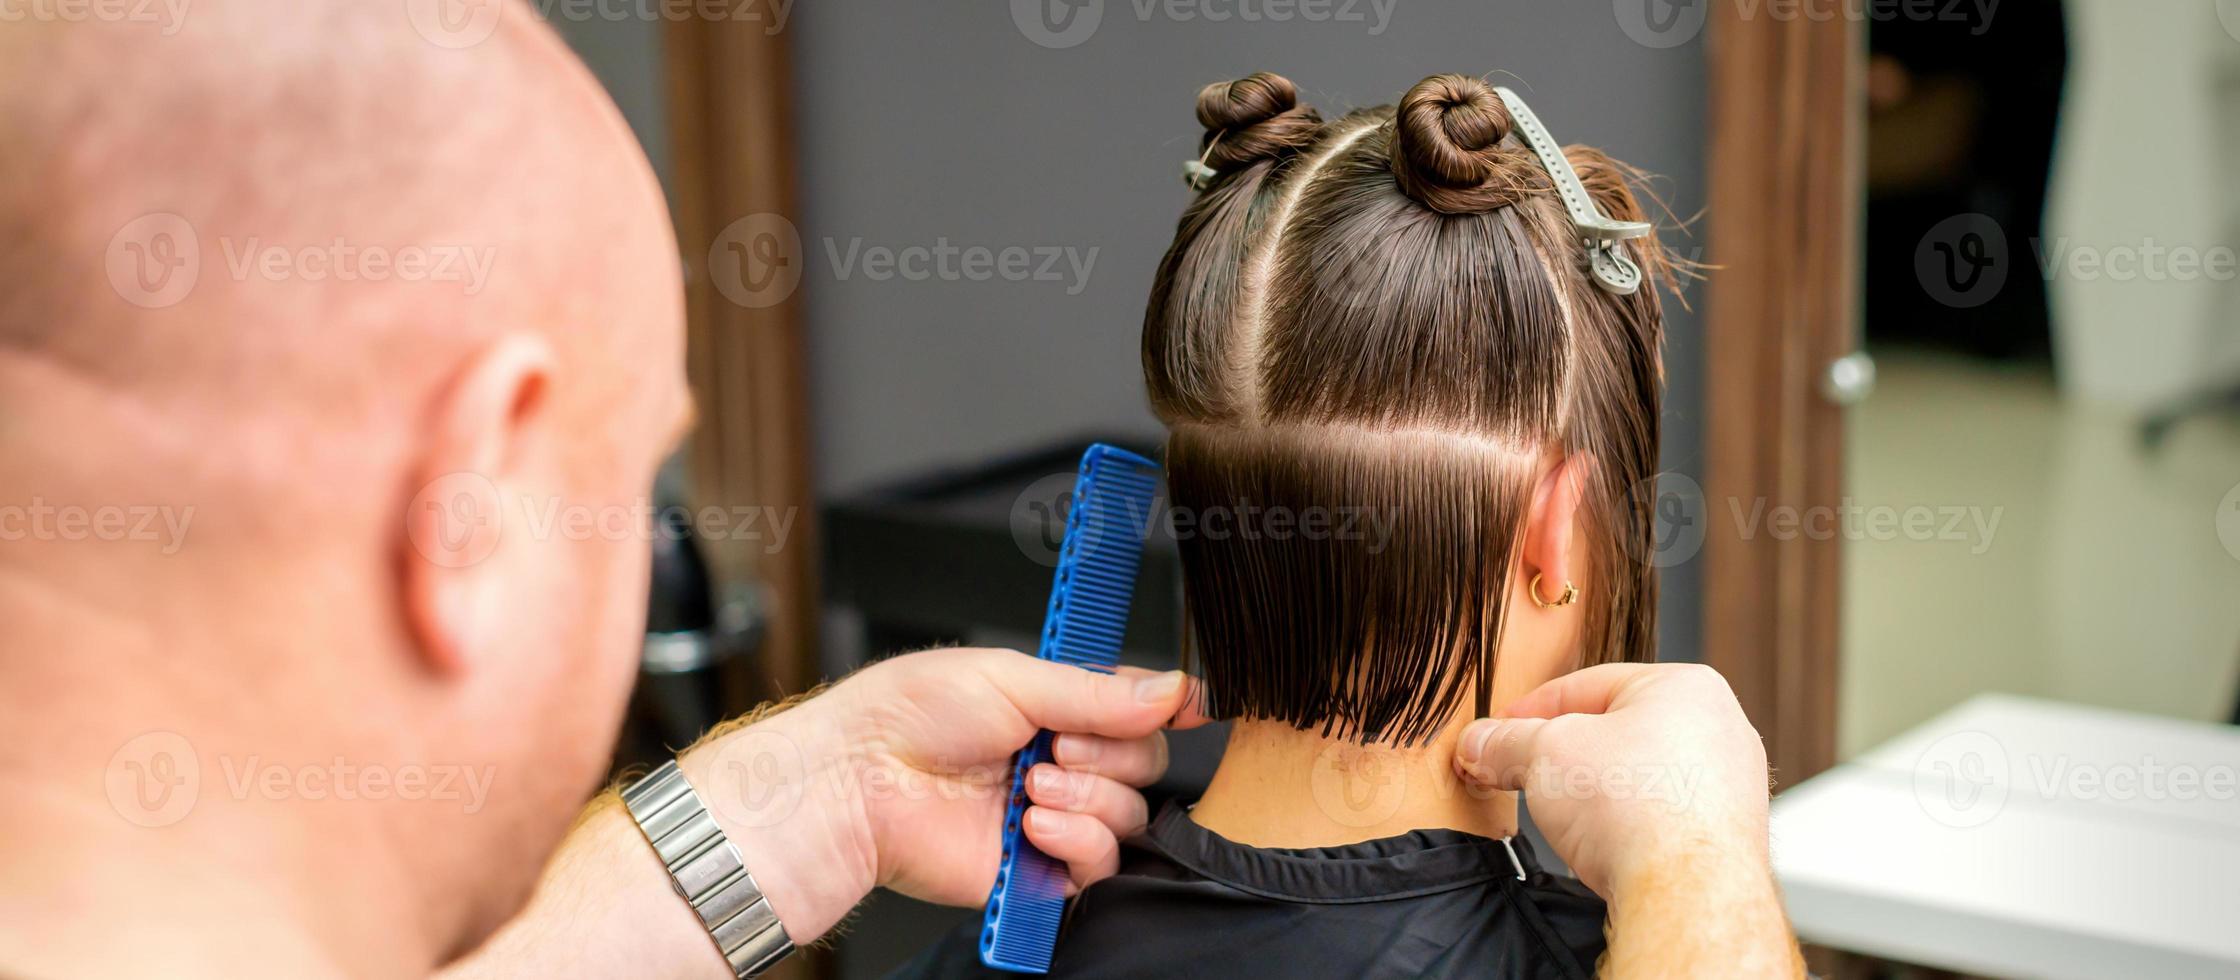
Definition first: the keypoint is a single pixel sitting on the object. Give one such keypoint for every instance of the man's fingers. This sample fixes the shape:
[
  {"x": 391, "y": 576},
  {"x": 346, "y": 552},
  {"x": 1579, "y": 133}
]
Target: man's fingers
[
  {"x": 1129, "y": 704},
  {"x": 1589, "y": 691},
  {"x": 1085, "y": 844},
  {"x": 1134, "y": 761},
  {"x": 1120, "y": 808},
  {"x": 1499, "y": 753},
  {"x": 1191, "y": 711}
]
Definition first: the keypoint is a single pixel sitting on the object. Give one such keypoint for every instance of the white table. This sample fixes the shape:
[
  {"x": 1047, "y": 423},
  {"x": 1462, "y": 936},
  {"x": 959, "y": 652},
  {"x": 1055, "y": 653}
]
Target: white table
[{"x": 2024, "y": 838}]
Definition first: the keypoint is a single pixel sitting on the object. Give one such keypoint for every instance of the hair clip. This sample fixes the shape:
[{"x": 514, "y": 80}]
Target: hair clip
[
  {"x": 1598, "y": 232},
  {"x": 1195, "y": 172}
]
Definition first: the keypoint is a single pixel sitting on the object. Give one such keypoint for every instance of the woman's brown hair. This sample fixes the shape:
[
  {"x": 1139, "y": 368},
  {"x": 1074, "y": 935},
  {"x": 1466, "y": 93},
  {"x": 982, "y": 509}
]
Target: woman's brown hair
[{"x": 1383, "y": 320}]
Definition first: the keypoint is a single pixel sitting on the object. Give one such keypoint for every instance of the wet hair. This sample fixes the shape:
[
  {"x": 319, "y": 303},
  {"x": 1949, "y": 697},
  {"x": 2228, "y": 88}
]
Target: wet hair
[{"x": 1384, "y": 320}]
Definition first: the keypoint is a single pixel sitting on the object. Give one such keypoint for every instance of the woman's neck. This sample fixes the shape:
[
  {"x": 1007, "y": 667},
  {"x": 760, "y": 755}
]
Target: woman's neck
[{"x": 1281, "y": 787}]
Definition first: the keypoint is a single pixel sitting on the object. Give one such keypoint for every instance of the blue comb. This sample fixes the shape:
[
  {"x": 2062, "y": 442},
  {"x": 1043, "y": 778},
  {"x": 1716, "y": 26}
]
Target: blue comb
[{"x": 1105, "y": 528}]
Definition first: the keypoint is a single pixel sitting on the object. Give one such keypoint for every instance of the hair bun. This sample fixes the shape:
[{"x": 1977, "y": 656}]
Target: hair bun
[
  {"x": 1257, "y": 117},
  {"x": 1446, "y": 146}
]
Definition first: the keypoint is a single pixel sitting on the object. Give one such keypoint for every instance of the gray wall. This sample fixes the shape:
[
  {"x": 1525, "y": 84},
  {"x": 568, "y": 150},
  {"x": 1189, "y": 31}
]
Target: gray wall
[{"x": 921, "y": 122}]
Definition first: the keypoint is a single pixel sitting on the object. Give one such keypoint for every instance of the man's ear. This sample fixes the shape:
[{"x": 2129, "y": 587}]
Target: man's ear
[
  {"x": 1552, "y": 525},
  {"x": 476, "y": 455}
]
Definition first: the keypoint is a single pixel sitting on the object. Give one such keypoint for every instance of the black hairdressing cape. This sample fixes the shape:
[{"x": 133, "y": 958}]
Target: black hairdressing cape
[{"x": 1431, "y": 903}]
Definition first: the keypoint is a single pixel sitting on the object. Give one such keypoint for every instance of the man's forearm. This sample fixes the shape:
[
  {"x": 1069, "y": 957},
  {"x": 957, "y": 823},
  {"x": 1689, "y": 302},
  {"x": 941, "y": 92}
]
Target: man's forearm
[
  {"x": 604, "y": 908},
  {"x": 1700, "y": 913}
]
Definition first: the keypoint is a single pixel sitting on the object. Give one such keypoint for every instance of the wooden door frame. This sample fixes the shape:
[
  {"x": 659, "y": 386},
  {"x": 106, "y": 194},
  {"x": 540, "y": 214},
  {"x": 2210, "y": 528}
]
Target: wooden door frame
[
  {"x": 1787, "y": 138},
  {"x": 731, "y": 123}
]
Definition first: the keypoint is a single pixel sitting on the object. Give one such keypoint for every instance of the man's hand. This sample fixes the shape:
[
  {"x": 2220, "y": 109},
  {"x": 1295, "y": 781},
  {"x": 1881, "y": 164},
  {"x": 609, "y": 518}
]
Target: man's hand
[
  {"x": 1623, "y": 764},
  {"x": 1650, "y": 783},
  {"x": 898, "y": 776}
]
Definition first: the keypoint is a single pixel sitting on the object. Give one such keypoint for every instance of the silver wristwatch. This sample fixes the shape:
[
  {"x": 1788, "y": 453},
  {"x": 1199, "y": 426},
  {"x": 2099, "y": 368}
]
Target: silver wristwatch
[{"x": 706, "y": 870}]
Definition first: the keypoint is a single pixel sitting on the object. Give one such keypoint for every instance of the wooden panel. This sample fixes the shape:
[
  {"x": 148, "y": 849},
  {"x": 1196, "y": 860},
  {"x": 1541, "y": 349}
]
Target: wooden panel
[
  {"x": 731, "y": 108},
  {"x": 1786, "y": 137}
]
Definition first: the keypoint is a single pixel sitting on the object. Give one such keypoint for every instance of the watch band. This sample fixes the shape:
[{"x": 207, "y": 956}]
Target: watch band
[{"x": 706, "y": 871}]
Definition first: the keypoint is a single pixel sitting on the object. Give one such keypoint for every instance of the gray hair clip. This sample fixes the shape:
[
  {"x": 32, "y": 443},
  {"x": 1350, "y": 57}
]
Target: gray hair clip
[
  {"x": 1600, "y": 233},
  {"x": 1195, "y": 172}
]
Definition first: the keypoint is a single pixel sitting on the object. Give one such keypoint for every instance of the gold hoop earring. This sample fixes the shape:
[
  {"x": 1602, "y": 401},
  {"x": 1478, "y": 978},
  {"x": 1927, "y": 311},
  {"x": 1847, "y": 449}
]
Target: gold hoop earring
[{"x": 1570, "y": 594}]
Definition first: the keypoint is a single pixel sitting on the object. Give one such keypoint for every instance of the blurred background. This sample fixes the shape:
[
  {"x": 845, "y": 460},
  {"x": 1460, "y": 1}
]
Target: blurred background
[{"x": 1952, "y": 488}]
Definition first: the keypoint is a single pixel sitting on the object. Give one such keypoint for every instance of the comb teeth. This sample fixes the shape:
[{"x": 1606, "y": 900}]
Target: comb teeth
[
  {"x": 1089, "y": 597},
  {"x": 1097, "y": 564}
]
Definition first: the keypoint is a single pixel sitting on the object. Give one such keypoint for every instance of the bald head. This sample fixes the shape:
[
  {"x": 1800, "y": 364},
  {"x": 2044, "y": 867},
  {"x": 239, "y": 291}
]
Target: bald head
[
  {"x": 330, "y": 281},
  {"x": 351, "y": 187}
]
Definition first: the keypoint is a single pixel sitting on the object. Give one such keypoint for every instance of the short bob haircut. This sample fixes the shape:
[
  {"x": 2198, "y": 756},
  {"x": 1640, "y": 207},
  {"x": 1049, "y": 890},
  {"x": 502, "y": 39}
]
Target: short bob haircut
[{"x": 1387, "y": 315}]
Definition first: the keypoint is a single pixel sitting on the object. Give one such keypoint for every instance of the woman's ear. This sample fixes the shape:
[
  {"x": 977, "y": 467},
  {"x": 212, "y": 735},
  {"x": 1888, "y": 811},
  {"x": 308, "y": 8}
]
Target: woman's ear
[
  {"x": 476, "y": 453},
  {"x": 1551, "y": 528}
]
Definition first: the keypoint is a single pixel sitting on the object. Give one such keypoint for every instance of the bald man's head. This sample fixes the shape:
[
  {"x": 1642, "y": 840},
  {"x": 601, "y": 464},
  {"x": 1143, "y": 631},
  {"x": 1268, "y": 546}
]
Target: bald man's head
[{"x": 380, "y": 314}]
